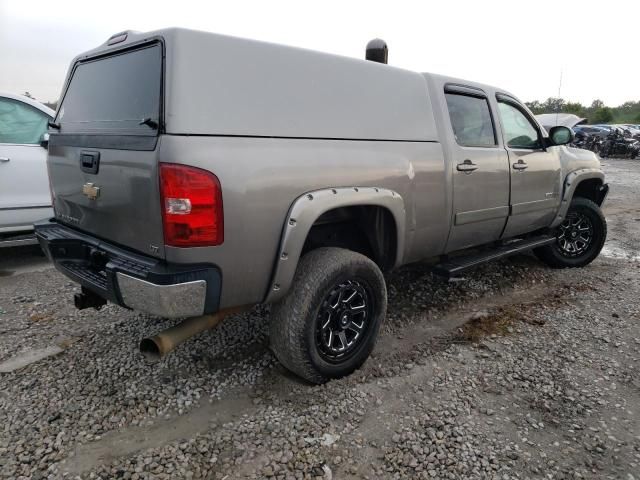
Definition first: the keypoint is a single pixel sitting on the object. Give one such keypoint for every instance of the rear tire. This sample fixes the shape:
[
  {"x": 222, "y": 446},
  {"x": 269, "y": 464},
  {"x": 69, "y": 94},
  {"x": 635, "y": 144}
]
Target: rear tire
[
  {"x": 328, "y": 323},
  {"x": 579, "y": 238}
]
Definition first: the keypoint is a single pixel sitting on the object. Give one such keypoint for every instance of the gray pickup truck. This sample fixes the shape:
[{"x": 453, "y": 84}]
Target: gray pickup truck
[{"x": 195, "y": 174}]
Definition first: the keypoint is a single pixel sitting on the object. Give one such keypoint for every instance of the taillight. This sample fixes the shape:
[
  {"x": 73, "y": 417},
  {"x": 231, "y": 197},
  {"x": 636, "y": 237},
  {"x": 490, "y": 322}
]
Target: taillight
[{"x": 191, "y": 206}]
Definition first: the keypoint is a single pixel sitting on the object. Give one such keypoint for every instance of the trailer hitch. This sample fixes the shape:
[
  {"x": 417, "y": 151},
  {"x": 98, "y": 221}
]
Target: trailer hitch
[{"x": 87, "y": 299}]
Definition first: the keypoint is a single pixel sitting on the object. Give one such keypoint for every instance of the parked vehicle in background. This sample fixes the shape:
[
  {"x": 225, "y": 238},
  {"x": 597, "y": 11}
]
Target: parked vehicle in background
[
  {"x": 630, "y": 130},
  {"x": 619, "y": 144},
  {"x": 550, "y": 120},
  {"x": 24, "y": 185},
  {"x": 594, "y": 142},
  {"x": 591, "y": 130},
  {"x": 296, "y": 181}
]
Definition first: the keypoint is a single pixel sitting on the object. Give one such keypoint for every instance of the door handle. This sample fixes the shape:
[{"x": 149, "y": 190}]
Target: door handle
[
  {"x": 4, "y": 159},
  {"x": 467, "y": 166},
  {"x": 520, "y": 165}
]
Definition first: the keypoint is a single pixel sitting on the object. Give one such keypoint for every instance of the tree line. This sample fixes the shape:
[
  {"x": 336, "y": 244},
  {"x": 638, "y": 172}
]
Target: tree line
[{"x": 597, "y": 112}]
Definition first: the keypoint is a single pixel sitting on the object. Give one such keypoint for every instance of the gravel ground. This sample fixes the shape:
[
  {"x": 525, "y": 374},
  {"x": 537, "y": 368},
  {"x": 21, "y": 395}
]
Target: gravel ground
[{"x": 517, "y": 371}]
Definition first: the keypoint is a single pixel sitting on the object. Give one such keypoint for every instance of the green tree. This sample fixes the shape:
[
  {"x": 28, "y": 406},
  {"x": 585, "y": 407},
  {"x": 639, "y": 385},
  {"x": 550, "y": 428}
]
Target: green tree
[
  {"x": 535, "y": 107},
  {"x": 553, "y": 105},
  {"x": 602, "y": 115},
  {"x": 629, "y": 107},
  {"x": 574, "y": 107}
]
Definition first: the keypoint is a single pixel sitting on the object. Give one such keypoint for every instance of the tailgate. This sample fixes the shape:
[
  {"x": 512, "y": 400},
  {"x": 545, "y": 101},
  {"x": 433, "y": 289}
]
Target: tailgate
[
  {"x": 103, "y": 164},
  {"x": 120, "y": 203}
]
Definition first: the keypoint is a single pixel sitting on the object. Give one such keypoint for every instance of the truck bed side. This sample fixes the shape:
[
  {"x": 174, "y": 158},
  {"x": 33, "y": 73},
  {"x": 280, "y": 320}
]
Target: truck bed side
[{"x": 262, "y": 177}]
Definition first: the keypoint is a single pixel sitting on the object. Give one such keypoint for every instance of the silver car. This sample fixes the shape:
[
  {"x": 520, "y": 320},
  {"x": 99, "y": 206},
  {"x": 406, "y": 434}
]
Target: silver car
[{"x": 24, "y": 185}]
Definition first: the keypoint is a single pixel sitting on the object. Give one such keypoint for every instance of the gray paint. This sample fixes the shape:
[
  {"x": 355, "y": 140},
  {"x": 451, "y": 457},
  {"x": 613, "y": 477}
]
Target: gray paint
[
  {"x": 221, "y": 85},
  {"x": 261, "y": 178},
  {"x": 127, "y": 211},
  {"x": 309, "y": 207},
  {"x": 276, "y": 123},
  {"x": 473, "y": 216}
]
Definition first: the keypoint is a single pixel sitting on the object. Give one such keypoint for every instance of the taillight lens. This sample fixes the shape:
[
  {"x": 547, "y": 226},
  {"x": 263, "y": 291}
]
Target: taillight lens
[{"x": 191, "y": 206}]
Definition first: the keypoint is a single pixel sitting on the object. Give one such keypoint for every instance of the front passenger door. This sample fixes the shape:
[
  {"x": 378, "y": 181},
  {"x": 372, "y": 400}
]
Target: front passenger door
[{"x": 535, "y": 170}]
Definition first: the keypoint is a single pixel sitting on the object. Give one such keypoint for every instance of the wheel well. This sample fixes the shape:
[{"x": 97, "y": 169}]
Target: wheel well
[
  {"x": 590, "y": 189},
  {"x": 367, "y": 229}
]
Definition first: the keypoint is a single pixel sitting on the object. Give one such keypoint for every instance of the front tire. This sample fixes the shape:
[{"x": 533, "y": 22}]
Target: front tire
[
  {"x": 579, "y": 238},
  {"x": 328, "y": 323}
]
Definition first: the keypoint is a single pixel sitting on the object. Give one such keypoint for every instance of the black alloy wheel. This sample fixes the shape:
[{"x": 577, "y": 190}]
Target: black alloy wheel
[
  {"x": 575, "y": 234},
  {"x": 342, "y": 320}
]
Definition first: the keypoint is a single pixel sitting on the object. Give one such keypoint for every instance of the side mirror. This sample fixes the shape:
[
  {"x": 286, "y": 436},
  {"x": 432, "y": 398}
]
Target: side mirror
[
  {"x": 44, "y": 140},
  {"x": 560, "y": 136}
]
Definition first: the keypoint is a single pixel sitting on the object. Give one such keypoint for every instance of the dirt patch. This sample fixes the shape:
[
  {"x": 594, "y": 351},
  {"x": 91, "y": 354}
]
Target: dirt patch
[{"x": 484, "y": 324}]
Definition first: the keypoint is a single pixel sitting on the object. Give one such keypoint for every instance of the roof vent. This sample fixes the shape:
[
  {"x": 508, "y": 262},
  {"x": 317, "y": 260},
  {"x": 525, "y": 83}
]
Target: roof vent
[{"x": 377, "y": 51}]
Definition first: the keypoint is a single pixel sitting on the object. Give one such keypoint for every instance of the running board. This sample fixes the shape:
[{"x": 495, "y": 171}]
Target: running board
[{"x": 453, "y": 267}]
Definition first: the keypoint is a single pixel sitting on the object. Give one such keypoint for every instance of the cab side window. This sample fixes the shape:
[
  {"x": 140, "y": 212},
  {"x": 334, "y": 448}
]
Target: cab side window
[
  {"x": 20, "y": 123},
  {"x": 471, "y": 120},
  {"x": 519, "y": 131}
]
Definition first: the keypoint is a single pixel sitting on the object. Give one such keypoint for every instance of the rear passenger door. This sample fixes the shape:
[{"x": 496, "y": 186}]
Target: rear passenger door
[
  {"x": 480, "y": 170},
  {"x": 535, "y": 170}
]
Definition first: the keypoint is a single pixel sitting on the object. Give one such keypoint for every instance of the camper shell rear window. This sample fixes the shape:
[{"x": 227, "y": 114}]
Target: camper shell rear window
[{"x": 115, "y": 94}]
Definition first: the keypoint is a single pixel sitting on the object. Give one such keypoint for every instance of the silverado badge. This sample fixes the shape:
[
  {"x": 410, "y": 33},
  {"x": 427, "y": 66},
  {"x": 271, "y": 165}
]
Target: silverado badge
[{"x": 90, "y": 191}]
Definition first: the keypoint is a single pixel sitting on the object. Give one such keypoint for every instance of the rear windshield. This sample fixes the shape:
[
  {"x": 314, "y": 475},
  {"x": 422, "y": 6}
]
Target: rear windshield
[{"x": 114, "y": 94}]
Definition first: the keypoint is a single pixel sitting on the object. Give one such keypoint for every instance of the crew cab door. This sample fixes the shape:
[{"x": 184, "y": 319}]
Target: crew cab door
[
  {"x": 24, "y": 186},
  {"x": 535, "y": 170},
  {"x": 480, "y": 170}
]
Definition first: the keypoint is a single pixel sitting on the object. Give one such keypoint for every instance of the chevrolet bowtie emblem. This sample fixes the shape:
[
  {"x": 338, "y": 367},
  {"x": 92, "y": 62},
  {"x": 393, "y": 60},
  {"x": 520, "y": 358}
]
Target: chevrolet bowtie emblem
[{"x": 90, "y": 191}]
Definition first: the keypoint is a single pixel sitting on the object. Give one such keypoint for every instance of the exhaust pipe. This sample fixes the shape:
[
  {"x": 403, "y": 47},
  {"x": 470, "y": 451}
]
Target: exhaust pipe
[{"x": 156, "y": 347}]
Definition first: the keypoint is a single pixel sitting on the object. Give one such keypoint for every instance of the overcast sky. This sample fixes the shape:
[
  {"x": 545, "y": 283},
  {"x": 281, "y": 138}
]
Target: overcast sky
[{"x": 520, "y": 46}]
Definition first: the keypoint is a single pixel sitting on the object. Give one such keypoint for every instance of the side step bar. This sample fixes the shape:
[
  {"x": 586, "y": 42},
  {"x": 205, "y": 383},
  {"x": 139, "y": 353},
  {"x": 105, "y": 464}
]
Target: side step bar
[{"x": 453, "y": 267}]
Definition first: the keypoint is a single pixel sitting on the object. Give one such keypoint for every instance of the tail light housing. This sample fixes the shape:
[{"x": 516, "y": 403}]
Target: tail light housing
[{"x": 192, "y": 213}]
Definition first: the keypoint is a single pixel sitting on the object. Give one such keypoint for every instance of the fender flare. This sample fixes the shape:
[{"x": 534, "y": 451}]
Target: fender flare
[
  {"x": 307, "y": 208},
  {"x": 571, "y": 182}
]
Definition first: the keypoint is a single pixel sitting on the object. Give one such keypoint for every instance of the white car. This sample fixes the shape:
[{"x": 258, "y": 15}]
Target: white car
[{"x": 24, "y": 183}]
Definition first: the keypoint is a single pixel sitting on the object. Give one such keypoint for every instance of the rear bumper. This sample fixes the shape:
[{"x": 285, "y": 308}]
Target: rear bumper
[{"x": 129, "y": 279}]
